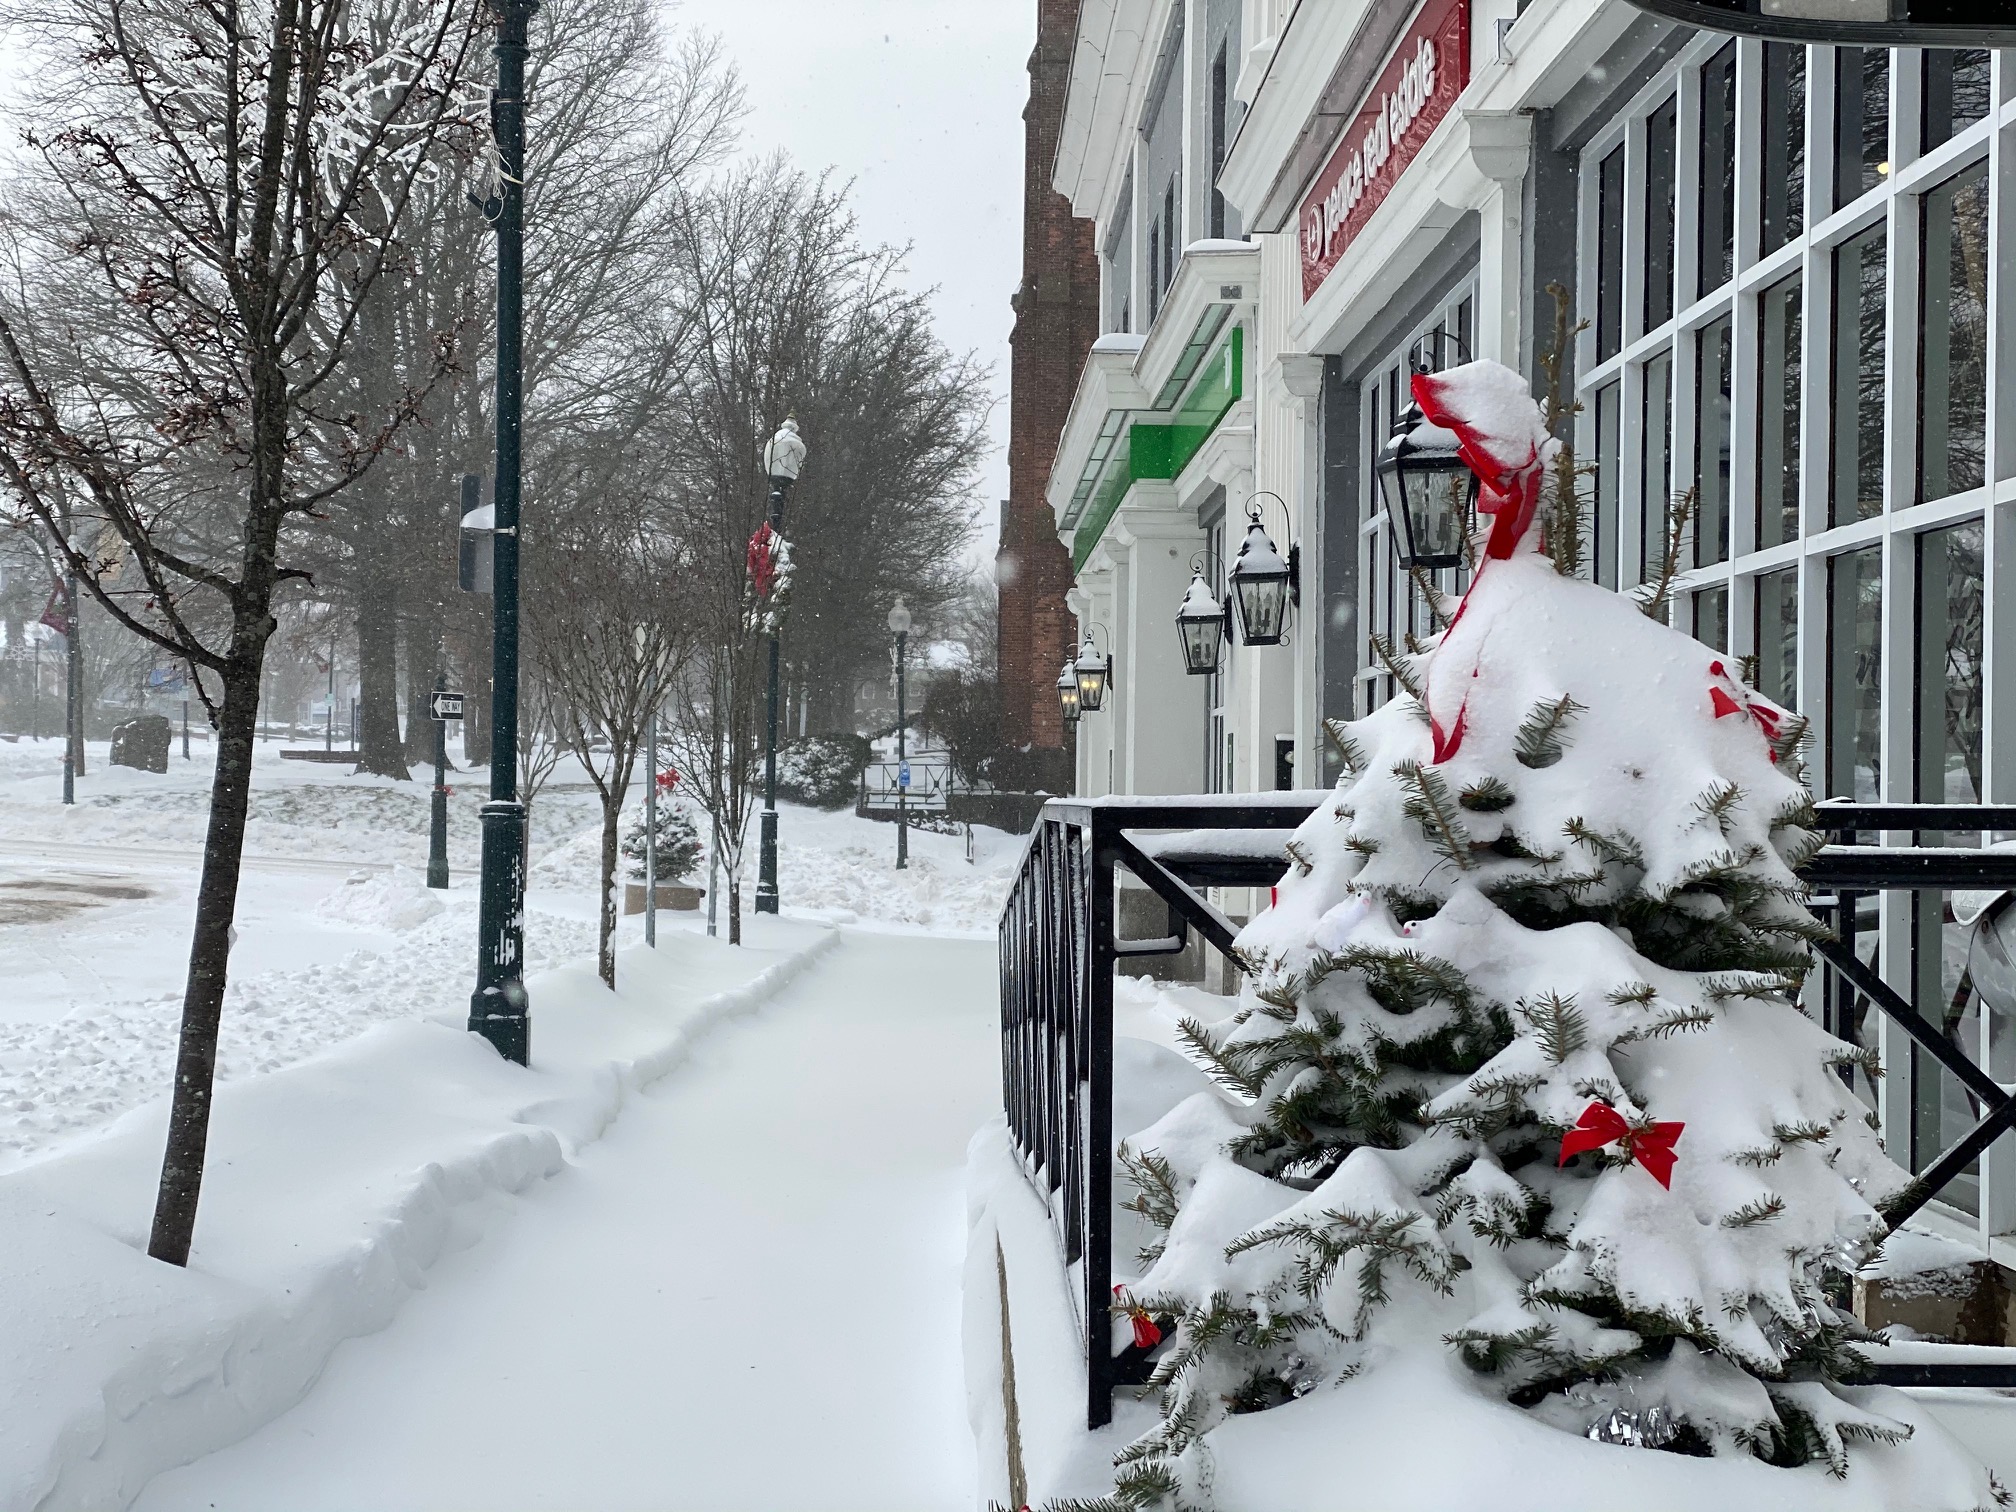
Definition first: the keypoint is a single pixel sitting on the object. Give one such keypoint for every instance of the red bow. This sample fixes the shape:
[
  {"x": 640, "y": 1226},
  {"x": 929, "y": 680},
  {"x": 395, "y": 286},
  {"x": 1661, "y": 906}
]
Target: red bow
[
  {"x": 763, "y": 560},
  {"x": 1147, "y": 1333},
  {"x": 1727, "y": 696},
  {"x": 667, "y": 781},
  {"x": 1600, "y": 1125}
]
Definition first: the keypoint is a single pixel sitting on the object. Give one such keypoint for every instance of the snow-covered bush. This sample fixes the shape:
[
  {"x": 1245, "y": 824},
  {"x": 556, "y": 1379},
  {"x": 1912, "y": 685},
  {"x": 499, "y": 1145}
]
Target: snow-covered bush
[
  {"x": 1518, "y": 1080},
  {"x": 823, "y": 771},
  {"x": 679, "y": 847}
]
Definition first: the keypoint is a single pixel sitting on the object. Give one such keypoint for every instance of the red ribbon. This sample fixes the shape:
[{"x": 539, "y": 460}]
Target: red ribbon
[
  {"x": 667, "y": 781},
  {"x": 1147, "y": 1333},
  {"x": 1726, "y": 696},
  {"x": 1601, "y": 1124},
  {"x": 763, "y": 560}
]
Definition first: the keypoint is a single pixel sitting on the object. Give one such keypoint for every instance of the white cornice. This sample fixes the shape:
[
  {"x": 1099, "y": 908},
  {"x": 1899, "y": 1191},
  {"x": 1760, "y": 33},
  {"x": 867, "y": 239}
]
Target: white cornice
[
  {"x": 1205, "y": 275},
  {"x": 1107, "y": 383},
  {"x": 1111, "y": 60}
]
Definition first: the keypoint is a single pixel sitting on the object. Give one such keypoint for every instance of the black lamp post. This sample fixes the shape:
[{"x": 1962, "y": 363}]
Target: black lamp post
[
  {"x": 498, "y": 1010},
  {"x": 1424, "y": 480},
  {"x": 1261, "y": 581},
  {"x": 1094, "y": 671},
  {"x": 783, "y": 456},
  {"x": 1202, "y": 624},
  {"x": 1067, "y": 692},
  {"x": 899, "y": 624}
]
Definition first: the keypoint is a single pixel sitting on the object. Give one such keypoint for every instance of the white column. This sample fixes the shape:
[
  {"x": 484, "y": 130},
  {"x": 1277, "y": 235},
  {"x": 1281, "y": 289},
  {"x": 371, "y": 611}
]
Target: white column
[{"x": 1165, "y": 705}]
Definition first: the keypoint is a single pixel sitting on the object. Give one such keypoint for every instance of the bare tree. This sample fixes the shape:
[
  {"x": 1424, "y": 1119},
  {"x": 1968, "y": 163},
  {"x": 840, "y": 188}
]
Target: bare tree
[
  {"x": 221, "y": 188},
  {"x": 608, "y": 635}
]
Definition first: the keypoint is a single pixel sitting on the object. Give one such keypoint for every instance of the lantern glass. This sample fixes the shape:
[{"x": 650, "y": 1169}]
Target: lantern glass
[
  {"x": 1067, "y": 693},
  {"x": 1200, "y": 624},
  {"x": 1427, "y": 485},
  {"x": 1093, "y": 670},
  {"x": 1260, "y": 587}
]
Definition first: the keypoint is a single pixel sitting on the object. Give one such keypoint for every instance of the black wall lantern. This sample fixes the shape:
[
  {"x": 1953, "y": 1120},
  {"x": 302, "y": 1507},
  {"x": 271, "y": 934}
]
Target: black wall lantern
[
  {"x": 1202, "y": 623},
  {"x": 1094, "y": 672},
  {"x": 1428, "y": 487},
  {"x": 1263, "y": 582},
  {"x": 1067, "y": 692},
  {"x": 1423, "y": 478}
]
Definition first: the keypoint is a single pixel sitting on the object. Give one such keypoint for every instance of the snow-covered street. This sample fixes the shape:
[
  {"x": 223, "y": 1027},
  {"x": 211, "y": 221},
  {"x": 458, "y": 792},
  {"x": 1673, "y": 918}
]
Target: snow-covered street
[{"x": 746, "y": 1296}]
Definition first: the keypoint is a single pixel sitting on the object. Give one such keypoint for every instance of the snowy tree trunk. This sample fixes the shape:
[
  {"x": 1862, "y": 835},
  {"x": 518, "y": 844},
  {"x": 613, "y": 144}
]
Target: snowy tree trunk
[
  {"x": 605, "y": 921},
  {"x": 379, "y": 748}
]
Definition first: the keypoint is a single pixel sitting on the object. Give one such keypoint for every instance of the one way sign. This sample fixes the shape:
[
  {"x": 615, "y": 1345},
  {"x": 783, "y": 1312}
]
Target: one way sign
[{"x": 445, "y": 705}]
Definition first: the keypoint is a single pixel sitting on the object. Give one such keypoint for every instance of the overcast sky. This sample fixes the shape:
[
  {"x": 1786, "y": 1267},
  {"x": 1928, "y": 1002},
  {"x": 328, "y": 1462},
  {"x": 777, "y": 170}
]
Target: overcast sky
[{"x": 920, "y": 103}]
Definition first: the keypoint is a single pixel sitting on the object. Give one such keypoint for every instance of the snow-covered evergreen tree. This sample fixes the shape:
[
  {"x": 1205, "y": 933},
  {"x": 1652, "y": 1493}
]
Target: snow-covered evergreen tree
[{"x": 1519, "y": 1077}]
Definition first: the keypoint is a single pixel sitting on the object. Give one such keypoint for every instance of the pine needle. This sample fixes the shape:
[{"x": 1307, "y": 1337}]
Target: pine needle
[
  {"x": 1620, "y": 848},
  {"x": 1538, "y": 743},
  {"x": 1432, "y": 806},
  {"x": 1490, "y": 796},
  {"x": 1348, "y": 750},
  {"x": 1761, "y": 1210},
  {"x": 1382, "y": 649},
  {"x": 1557, "y": 1024},
  {"x": 1720, "y": 803}
]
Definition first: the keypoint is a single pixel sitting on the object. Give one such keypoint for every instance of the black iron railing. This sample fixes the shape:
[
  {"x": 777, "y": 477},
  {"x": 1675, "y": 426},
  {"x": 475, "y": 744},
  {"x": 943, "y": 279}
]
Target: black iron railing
[{"x": 1060, "y": 944}]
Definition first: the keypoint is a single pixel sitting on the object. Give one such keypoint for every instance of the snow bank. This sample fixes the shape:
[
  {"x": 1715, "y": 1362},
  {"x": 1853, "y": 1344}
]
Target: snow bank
[
  {"x": 397, "y": 900},
  {"x": 333, "y": 1186}
]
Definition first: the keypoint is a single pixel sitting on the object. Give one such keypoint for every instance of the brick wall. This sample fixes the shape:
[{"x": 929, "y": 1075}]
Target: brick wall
[{"x": 1056, "y": 322}]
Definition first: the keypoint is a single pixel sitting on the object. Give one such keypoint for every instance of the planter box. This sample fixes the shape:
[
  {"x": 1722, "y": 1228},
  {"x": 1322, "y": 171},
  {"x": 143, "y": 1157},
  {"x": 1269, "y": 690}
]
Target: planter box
[{"x": 673, "y": 895}]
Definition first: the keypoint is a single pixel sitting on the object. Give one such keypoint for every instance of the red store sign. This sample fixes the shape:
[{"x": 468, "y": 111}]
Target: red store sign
[{"x": 1407, "y": 102}]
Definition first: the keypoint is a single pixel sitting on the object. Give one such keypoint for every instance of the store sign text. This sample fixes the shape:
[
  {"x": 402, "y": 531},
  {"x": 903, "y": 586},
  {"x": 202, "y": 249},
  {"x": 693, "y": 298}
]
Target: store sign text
[{"x": 1412, "y": 95}]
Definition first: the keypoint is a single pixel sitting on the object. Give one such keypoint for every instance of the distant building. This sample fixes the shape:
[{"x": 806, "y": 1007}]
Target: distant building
[{"x": 1056, "y": 319}]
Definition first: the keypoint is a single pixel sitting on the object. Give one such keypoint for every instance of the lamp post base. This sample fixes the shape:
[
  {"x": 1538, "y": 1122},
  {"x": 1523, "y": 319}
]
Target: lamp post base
[
  {"x": 498, "y": 1008},
  {"x": 766, "y": 878}
]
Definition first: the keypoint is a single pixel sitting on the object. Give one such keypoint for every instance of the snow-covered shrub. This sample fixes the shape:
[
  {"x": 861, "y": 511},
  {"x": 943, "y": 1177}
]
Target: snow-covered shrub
[
  {"x": 1518, "y": 1077},
  {"x": 823, "y": 771},
  {"x": 679, "y": 847}
]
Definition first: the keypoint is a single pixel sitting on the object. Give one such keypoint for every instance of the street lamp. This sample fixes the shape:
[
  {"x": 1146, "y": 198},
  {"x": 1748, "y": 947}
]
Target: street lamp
[
  {"x": 498, "y": 1009},
  {"x": 1067, "y": 692},
  {"x": 1201, "y": 623},
  {"x": 1425, "y": 482},
  {"x": 899, "y": 624},
  {"x": 783, "y": 456},
  {"x": 1261, "y": 581},
  {"x": 1094, "y": 671}
]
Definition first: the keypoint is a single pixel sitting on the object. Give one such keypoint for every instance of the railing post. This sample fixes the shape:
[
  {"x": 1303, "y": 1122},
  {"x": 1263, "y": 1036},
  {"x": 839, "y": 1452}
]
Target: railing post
[{"x": 1098, "y": 1135}]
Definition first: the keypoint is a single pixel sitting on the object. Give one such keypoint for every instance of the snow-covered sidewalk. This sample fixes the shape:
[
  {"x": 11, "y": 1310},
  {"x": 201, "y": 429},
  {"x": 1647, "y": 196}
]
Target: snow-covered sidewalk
[{"x": 746, "y": 1296}]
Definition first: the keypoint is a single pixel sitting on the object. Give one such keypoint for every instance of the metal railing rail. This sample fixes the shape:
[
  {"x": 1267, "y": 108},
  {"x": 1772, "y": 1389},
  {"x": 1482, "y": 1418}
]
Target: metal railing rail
[{"x": 1059, "y": 946}]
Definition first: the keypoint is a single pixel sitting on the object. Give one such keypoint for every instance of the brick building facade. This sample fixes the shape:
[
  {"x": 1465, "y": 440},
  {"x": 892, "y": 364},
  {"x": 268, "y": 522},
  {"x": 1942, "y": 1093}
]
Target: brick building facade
[{"x": 1056, "y": 322}]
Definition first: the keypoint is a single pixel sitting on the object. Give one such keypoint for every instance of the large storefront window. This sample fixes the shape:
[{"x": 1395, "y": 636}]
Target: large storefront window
[
  {"x": 1784, "y": 176},
  {"x": 1956, "y": 92},
  {"x": 1859, "y": 350},
  {"x": 1946, "y": 726},
  {"x": 1656, "y": 479},
  {"x": 1610, "y": 256},
  {"x": 1711, "y": 444},
  {"x": 1662, "y": 130},
  {"x": 1953, "y": 336},
  {"x": 1718, "y": 170},
  {"x": 1855, "y": 675},
  {"x": 1778, "y": 410},
  {"x": 1777, "y": 636},
  {"x": 1858, "y": 444},
  {"x": 1861, "y": 121},
  {"x": 1603, "y": 522},
  {"x": 1947, "y": 718}
]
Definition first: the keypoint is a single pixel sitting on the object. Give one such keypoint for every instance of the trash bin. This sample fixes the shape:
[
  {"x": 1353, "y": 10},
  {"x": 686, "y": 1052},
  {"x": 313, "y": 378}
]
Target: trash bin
[{"x": 143, "y": 743}]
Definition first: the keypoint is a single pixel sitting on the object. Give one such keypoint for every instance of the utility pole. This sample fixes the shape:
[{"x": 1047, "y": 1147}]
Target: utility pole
[
  {"x": 498, "y": 1010},
  {"x": 782, "y": 458}
]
